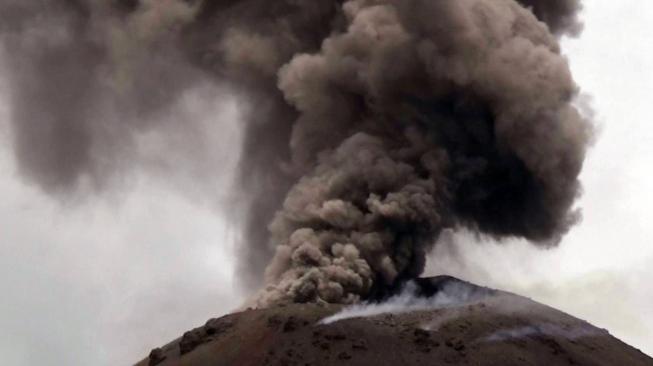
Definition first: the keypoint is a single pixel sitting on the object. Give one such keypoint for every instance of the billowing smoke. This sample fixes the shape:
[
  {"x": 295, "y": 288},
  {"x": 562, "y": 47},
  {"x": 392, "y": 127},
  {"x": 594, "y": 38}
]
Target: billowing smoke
[
  {"x": 419, "y": 116},
  {"x": 369, "y": 125},
  {"x": 85, "y": 81}
]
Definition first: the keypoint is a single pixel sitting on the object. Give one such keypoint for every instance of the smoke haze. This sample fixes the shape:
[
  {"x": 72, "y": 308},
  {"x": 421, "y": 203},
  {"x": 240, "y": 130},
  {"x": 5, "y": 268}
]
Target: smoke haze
[
  {"x": 368, "y": 126},
  {"x": 452, "y": 295}
]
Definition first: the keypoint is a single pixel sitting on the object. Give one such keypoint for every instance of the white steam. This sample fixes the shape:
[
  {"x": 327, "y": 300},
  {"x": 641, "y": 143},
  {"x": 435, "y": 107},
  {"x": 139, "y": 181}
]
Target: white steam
[{"x": 408, "y": 300}]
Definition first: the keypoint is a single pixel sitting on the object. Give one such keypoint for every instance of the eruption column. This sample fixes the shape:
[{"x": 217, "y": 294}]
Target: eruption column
[
  {"x": 419, "y": 116},
  {"x": 370, "y": 125}
]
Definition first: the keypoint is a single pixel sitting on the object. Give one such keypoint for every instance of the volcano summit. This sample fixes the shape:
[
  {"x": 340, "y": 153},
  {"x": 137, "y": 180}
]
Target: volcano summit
[{"x": 438, "y": 321}]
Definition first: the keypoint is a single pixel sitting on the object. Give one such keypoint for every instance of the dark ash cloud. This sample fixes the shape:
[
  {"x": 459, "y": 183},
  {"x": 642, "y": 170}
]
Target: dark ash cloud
[{"x": 370, "y": 125}]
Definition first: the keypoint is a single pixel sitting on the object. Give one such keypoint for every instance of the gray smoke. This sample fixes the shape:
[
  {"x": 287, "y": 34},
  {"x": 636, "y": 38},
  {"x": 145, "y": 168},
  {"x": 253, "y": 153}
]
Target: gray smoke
[
  {"x": 370, "y": 125},
  {"x": 559, "y": 15},
  {"x": 86, "y": 80}
]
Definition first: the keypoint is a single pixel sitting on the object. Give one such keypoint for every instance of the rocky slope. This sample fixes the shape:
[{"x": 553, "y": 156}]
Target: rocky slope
[{"x": 459, "y": 324}]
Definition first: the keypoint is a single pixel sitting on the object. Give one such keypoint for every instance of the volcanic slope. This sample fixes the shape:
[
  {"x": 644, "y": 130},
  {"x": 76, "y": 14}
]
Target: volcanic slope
[{"x": 458, "y": 324}]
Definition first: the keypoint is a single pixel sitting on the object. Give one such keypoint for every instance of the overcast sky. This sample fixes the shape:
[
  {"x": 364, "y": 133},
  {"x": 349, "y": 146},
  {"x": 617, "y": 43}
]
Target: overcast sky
[{"x": 102, "y": 281}]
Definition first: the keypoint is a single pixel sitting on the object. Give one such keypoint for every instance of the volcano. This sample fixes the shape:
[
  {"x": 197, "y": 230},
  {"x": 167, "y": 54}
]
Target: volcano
[{"x": 437, "y": 321}]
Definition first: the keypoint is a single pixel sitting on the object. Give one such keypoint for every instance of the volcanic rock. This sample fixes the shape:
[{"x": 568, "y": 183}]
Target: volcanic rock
[{"x": 495, "y": 328}]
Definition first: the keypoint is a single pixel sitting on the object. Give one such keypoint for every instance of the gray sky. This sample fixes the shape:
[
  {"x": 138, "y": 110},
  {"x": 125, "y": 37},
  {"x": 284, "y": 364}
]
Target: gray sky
[{"x": 102, "y": 281}]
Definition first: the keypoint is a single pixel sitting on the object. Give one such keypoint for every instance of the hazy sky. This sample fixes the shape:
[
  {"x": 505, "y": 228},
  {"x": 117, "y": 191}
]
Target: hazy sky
[{"x": 102, "y": 281}]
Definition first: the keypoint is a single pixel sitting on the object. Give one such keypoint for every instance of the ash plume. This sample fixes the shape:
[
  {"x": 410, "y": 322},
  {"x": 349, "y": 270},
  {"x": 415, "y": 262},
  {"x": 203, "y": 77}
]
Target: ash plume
[
  {"x": 85, "y": 80},
  {"x": 369, "y": 125}
]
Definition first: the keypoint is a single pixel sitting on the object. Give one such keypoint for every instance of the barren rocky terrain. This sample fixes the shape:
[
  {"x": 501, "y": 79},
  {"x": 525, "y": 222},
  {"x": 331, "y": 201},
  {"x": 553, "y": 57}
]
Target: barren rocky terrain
[{"x": 497, "y": 329}]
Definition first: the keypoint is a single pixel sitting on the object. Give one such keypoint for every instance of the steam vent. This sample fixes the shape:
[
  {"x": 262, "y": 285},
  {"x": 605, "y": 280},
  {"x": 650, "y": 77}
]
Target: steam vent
[{"x": 437, "y": 321}]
